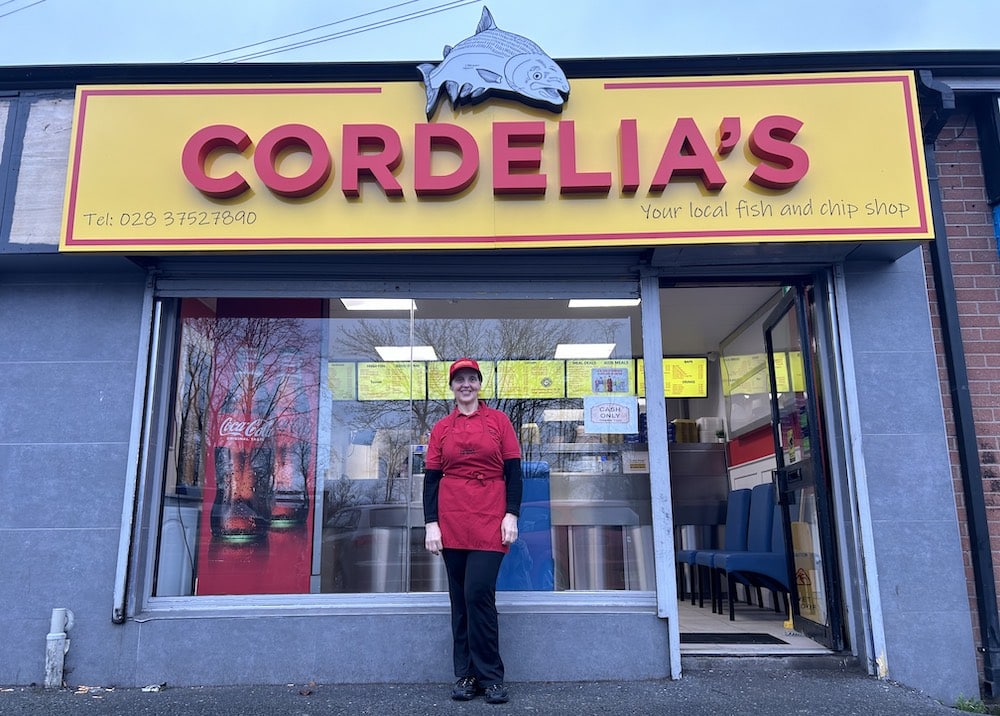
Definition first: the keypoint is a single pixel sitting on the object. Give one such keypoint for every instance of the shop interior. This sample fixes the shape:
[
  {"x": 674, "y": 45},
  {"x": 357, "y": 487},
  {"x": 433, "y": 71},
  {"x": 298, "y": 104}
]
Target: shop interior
[
  {"x": 586, "y": 519},
  {"x": 724, "y": 322}
]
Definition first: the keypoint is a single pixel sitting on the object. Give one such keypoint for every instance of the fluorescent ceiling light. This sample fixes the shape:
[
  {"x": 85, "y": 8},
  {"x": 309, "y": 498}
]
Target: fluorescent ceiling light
[
  {"x": 584, "y": 350},
  {"x": 565, "y": 415},
  {"x": 602, "y": 302},
  {"x": 379, "y": 304},
  {"x": 405, "y": 353}
]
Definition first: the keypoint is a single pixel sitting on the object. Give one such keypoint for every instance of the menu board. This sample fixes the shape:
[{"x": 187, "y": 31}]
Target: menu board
[
  {"x": 587, "y": 377},
  {"x": 789, "y": 365},
  {"x": 682, "y": 377},
  {"x": 781, "y": 372},
  {"x": 746, "y": 374},
  {"x": 685, "y": 377},
  {"x": 437, "y": 380},
  {"x": 531, "y": 379},
  {"x": 798, "y": 371},
  {"x": 392, "y": 381},
  {"x": 341, "y": 379}
]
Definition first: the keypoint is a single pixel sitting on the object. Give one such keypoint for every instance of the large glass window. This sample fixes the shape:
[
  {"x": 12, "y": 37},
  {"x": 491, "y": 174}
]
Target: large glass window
[{"x": 299, "y": 428}]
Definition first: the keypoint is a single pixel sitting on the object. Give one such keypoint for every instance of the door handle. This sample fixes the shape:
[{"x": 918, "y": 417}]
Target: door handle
[{"x": 785, "y": 494}]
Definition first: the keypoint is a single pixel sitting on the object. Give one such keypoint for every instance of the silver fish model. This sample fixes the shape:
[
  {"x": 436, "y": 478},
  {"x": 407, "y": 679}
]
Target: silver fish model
[{"x": 495, "y": 61}]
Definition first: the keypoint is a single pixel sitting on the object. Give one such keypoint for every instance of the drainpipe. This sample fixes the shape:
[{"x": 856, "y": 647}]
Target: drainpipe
[
  {"x": 996, "y": 227},
  {"x": 961, "y": 401},
  {"x": 56, "y": 647}
]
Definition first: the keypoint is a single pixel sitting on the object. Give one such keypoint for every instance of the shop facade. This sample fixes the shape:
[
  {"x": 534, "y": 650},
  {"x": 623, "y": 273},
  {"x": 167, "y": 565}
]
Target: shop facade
[{"x": 214, "y": 455}]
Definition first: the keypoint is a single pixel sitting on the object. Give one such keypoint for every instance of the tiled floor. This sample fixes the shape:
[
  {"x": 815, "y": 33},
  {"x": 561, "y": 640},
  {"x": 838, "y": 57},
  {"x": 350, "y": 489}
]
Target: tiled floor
[{"x": 749, "y": 620}]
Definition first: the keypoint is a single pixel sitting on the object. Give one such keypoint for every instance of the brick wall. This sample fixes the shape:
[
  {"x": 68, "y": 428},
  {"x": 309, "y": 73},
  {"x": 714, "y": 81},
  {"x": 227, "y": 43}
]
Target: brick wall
[{"x": 972, "y": 247}]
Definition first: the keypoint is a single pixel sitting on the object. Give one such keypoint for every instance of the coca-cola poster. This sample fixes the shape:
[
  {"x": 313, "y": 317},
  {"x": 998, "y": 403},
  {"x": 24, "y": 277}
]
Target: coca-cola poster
[{"x": 259, "y": 501}]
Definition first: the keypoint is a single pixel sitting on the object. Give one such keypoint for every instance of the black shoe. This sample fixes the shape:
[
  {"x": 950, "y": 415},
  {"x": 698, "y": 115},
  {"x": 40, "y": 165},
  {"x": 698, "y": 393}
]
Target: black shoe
[
  {"x": 465, "y": 689},
  {"x": 496, "y": 694}
]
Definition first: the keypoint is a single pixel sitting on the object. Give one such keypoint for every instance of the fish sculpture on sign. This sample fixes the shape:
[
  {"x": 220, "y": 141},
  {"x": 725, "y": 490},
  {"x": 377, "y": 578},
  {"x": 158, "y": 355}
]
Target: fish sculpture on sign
[{"x": 495, "y": 62}]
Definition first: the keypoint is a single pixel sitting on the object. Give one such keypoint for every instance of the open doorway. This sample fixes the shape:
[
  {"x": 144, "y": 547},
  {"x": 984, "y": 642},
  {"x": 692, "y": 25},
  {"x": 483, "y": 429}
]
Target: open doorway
[{"x": 723, "y": 441}]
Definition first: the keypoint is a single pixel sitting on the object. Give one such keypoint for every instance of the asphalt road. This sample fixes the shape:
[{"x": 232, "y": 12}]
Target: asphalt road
[{"x": 730, "y": 688}]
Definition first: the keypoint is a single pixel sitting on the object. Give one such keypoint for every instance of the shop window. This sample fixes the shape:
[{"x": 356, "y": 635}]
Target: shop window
[{"x": 299, "y": 427}]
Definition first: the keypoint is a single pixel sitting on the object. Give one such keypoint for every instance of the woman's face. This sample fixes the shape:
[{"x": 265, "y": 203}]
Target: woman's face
[{"x": 465, "y": 385}]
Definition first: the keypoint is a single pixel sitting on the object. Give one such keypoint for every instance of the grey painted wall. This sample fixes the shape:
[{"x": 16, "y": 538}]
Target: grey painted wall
[
  {"x": 68, "y": 346},
  {"x": 922, "y": 583},
  {"x": 402, "y": 648}
]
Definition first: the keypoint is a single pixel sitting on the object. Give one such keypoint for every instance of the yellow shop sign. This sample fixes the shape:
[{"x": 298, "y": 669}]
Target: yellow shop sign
[{"x": 628, "y": 162}]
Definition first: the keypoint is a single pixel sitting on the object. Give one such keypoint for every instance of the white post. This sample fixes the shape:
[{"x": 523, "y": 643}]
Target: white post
[
  {"x": 659, "y": 468},
  {"x": 56, "y": 647}
]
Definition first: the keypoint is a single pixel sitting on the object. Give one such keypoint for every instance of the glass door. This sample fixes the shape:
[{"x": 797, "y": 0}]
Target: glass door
[{"x": 803, "y": 485}]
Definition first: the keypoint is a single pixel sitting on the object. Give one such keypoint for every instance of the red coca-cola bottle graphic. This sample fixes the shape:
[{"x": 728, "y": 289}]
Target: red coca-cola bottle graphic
[
  {"x": 244, "y": 462},
  {"x": 293, "y": 449}
]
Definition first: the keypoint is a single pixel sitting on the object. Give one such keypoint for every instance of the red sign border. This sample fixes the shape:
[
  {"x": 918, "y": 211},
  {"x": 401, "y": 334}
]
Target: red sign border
[{"x": 661, "y": 238}]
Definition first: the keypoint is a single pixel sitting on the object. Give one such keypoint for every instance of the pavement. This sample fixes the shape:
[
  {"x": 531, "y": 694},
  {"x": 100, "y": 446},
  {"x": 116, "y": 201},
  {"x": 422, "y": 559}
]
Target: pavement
[{"x": 709, "y": 686}]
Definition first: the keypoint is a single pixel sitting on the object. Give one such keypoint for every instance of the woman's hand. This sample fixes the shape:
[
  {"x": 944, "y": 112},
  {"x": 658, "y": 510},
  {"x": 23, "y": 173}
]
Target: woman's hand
[
  {"x": 432, "y": 537},
  {"x": 508, "y": 529}
]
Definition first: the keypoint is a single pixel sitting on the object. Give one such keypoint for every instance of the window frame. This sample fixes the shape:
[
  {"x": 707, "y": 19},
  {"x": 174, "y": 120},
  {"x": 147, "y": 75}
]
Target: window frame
[{"x": 160, "y": 385}]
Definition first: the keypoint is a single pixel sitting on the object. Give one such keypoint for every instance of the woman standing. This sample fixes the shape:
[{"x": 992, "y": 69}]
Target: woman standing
[{"x": 472, "y": 497}]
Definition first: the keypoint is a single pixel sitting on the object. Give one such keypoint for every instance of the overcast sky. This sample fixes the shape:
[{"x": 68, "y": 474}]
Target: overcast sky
[{"x": 103, "y": 31}]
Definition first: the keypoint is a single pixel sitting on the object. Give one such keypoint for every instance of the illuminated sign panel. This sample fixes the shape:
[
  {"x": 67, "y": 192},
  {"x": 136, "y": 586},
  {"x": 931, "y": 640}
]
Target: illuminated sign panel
[
  {"x": 642, "y": 161},
  {"x": 592, "y": 376},
  {"x": 528, "y": 379},
  {"x": 682, "y": 377},
  {"x": 392, "y": 381}
]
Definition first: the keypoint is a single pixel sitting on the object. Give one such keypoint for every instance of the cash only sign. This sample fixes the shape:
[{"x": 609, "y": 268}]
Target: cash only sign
[{"x": 592, "y": 162}]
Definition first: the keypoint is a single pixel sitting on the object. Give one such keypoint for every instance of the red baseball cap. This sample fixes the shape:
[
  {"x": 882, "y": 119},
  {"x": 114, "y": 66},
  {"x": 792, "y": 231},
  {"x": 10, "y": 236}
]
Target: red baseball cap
[{"x": 464, "y": 363}]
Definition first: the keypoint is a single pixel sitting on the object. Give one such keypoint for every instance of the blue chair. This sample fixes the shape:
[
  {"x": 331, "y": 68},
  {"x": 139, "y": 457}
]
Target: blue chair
[
  {"x": 767, "y": 568},
  {"x": 737, "y": 516},
  {"x": 758, "y": 539},
  {"x": 529, "y": 565}
]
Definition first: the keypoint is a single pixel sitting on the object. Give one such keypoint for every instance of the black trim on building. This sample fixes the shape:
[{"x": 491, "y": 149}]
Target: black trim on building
[{"x": 966, "y": 63}]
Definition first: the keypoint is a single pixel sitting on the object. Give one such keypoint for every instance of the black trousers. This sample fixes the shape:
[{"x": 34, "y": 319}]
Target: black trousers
[{"x": 472, "y": 587}]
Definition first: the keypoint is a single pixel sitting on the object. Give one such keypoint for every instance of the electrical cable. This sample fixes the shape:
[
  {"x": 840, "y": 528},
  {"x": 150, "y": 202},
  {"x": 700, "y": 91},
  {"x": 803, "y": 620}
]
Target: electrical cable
[
  {"x": 354, "y": 31},
  {"x": 37, "y": 2},
  {"x": 293, "y": 34},
  {"x": 453, "y": 4},
  {"x": 357, "y": 30}
]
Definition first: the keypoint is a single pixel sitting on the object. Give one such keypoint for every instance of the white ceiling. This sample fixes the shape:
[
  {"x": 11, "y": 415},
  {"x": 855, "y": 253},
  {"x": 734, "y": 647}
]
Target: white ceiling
[{"x": 695, "y": 320}]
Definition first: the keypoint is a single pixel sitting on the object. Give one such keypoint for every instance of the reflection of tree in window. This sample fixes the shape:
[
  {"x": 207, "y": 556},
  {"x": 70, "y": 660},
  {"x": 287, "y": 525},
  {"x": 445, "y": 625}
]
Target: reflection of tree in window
[
  {"x": 195, "y": 372},
  {"x": 265, "y": 361},
  {"x": 487, "y": 339}
]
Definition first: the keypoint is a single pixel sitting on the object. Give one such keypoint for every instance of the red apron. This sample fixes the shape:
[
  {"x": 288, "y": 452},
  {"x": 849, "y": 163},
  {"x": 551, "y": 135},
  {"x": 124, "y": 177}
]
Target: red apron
[
  {"x": 470, "y": 512},
  {"x": 472, "y": 497}
]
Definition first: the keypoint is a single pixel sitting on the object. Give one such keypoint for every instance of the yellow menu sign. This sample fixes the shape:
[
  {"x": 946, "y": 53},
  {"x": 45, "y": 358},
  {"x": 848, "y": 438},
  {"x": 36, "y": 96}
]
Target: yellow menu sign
[
  {"x": 745, "y": 374},
  {"x": 392, "y": 381},
  {"x": 531, "y": 379},
  {"x": 682, "y": 377},
  {"x": 586, "y": 377},
  {"x": 789, "y": 365},
  {"x": 341, "y": 379}
]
